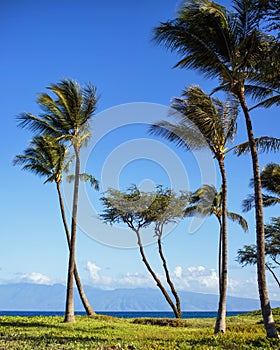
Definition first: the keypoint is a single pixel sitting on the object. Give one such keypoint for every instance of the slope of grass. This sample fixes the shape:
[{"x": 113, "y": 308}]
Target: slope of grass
[{"x": 104, "y": 332}]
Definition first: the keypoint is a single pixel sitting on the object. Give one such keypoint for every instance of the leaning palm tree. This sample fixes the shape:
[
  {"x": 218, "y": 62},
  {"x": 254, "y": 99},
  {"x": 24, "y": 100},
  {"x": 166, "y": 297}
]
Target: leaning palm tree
[
  {"x": 215, "y": 125},
  {"x": 66, "y": 117},
  {"x": 228, "y": 45},
  {"x": 49, "y": 159}
]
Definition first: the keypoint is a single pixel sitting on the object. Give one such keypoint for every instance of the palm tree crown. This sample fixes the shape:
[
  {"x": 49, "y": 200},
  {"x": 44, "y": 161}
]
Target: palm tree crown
[
  {"x": 45, "y": 157},
  {"x": 66, "y": 117},
  {"x": 202, "y": 121},
  {"x": 208, "y": 201},
  {"x": 232, "y": 48},
  {"x": 270, "y": 179}
]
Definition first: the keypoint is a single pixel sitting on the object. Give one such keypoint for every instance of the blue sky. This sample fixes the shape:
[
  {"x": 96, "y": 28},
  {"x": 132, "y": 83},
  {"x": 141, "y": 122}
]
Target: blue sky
[{"x": 109, "y": 44}]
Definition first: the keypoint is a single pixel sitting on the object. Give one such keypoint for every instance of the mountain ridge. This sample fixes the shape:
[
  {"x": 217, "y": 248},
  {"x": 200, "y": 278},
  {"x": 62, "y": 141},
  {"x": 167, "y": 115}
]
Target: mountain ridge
[{"x": 39, "y": 297}]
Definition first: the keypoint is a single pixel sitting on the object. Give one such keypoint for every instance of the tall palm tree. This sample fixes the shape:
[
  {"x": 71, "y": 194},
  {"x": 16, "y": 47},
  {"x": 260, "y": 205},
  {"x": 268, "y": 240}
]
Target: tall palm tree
[
  {"x": 66, "y": 117},
  {"x": 228, "y": 45},
  {"x": 48, "y": 158},
  {"x": 215, "y": 124},
  {"x": 207, "y": 201}
]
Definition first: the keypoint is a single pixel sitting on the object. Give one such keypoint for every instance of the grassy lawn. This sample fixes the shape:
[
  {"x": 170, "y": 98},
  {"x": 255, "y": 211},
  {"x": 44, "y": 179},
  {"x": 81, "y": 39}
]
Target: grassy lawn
[{"x": 105, "y": 332}]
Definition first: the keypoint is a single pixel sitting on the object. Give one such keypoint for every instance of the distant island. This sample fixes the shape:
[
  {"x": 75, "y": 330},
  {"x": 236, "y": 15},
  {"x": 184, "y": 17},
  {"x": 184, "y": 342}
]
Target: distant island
[{"x": 36, "y": 297}]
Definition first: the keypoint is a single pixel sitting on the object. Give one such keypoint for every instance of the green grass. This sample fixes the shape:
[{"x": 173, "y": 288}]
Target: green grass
[{"x": 106, "y": 333}]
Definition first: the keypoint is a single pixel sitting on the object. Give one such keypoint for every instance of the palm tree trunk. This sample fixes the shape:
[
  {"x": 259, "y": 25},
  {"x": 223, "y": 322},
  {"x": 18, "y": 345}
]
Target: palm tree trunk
[
  {"x": 220, "y": 326},
  {"x": 168, "y": 279},
  {"x": 269, "y": 324},
  {"x": 156, "y": 279},
  {"x": 220, "y": 255},
  {"x": 89, "y": 310},
  {"x": 69, "y": 312}
]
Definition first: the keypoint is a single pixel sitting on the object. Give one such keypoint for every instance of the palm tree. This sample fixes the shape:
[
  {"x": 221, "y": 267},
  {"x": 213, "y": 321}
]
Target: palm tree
[
  {"x": 228, "y": 45},
  {"x": 66, "y": 118},
  {"x": 206, "y": 201},
  {"x": 270, "y": 178},
  {"x": 214, "y": 122},
  {"x": 48, "y": 158}
]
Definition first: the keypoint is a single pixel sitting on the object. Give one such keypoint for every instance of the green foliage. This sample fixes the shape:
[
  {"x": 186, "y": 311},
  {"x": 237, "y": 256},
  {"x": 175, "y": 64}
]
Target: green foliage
[
  {"x": 201, "y": 121},
  {"x": 264, "y": 144},
  {"x": 223, "y": 44},
  {"x": 139, "y": 209},
  {"x": 208, "y": 201},
  {"x": 270, "y": 181},
  {"x": 66, "y": 116},
  {"x": 45, "y": 157},
  {"x": 104, "y": 333},
  {"x": 85, "y": 178},
  {"x": 248, "y": 255}
]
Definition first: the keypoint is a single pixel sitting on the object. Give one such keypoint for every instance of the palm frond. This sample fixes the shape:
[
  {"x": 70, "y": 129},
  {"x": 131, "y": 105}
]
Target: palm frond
[
  {"x": 239, "y": 219},
  {"x": 248, "y": 203},
  {"x": 181, "y": 134},
  {"x": 268, "y": 201},
  {"x": 67, "y": 115},
  {"x": 264, "y": 144},
  {"x": 270, "y": 178},
  {"x": 247, "y": 255},
  {"x": 203, "y": 201},
  {"x": 91, "y": 179},
  {"x": 85, "y": 178},
  {"x": 36, "y": 124},
  {"x": 257, "y": 92},
  {"x": 184, "y": 36},
  {"x": 45, "y": 157},
  {"x": 269, "y": 102}
]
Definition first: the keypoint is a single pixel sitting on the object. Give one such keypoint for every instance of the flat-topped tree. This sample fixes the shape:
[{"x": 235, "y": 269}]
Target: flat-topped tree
[
  {"x": 138, "y": 210},
  {"x": 167, "y": 208},
  {"x": 66, "y": 117},
  {"x": 50, "y": 159}
]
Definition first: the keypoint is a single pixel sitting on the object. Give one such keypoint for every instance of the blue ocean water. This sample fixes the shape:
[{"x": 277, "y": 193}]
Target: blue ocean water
[{"x": 125, "y": 314}]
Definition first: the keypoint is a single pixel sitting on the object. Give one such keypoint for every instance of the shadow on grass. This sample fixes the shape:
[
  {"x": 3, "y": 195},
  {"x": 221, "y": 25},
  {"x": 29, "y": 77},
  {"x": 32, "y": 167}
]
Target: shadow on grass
[{"x": 22, "y": 324}]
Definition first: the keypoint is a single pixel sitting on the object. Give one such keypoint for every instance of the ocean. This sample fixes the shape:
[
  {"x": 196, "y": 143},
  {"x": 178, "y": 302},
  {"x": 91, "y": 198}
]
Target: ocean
[{"x": 125, "y": 314}]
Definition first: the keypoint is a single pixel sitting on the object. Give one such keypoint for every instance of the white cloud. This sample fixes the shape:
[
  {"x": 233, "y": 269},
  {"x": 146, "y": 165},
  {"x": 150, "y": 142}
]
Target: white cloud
[
  {"x": 194, "y": 278},
  {"x": 178, "y": 271},
  {"x": 134, "y": 280},
  {"x": 34, "y": 277},
  {"x": 127, "y": 280},
  {"x": 100, "y": 281},
  {"x": 198, "y": 279},
  {"x": 93, "y": 271}
]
